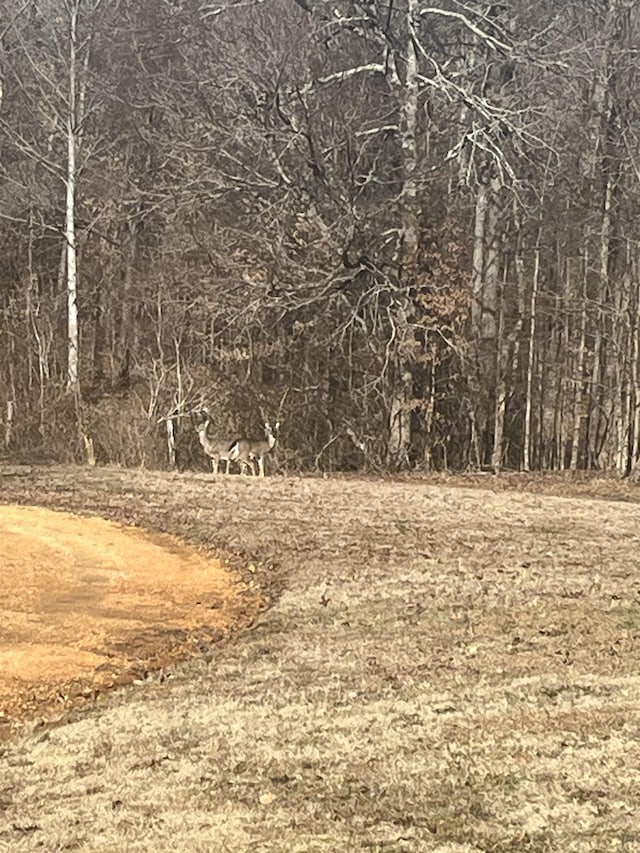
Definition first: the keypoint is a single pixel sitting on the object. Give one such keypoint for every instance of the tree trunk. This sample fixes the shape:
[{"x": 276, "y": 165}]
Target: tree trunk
[
  {"x": 578, "y": 398},
  {"x": 526, "y": 462},
  {"x": 402, "y": 375},
  {"x": 596, "y": 396},
  {"x": 635, "y": 375},
  {"x": 73, "y": 384},
  {"x": 560, "y": 357},
  {"x": 508, "y": 352},
  {"x": 483, "y": 313}
]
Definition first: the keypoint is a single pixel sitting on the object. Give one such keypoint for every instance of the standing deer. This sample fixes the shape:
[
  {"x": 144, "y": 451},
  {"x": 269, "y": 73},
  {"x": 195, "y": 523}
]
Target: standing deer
[
  {"x": 248, "y": 450},
  {"x": 219, "y": 450}
]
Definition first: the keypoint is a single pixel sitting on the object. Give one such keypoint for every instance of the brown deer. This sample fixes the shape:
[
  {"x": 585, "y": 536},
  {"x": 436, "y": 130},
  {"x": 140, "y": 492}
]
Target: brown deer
[
  {"x": 218, "y": 450},
  {"x": 248, "y": 451}
]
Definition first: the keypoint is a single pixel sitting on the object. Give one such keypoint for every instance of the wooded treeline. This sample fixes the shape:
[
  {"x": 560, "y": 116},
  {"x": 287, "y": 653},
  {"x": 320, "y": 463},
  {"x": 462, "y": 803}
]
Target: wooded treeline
[{"x": 409, "y": 230}]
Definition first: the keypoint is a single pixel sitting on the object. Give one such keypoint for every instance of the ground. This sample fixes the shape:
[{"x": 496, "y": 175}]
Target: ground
[
  {"x": 440, "y": 668},
  {"x": 86, "y": 605}
]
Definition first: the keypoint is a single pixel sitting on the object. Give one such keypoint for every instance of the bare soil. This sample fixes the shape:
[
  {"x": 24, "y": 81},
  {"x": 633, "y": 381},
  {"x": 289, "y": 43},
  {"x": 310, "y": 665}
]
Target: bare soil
[
  {"x": 87, "y": 604},
  {"x": 447, "y": 665}
]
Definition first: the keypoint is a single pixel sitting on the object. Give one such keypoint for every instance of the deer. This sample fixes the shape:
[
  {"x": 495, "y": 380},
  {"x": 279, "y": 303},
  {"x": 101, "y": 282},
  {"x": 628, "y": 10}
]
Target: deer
[
  {"x": 247, "y": 451},
  {"x": 219, "y": 450}
]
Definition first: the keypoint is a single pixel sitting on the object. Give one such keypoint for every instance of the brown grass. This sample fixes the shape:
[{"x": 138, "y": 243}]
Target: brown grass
[{"x": 443, "y": 669}]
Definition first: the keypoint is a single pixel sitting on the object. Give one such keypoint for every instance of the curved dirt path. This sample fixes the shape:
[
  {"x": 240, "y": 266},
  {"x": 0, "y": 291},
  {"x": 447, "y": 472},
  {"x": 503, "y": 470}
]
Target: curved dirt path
[{"x": 87, "y": 604}]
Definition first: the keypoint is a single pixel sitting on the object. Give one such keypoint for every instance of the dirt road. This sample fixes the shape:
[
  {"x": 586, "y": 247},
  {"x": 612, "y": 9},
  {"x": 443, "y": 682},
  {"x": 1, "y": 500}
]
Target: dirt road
[{"x": 86, "y": 604}]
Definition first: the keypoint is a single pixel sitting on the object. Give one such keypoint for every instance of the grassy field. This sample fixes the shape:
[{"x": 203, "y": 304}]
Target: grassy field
[{"x": 447, "y": 665}]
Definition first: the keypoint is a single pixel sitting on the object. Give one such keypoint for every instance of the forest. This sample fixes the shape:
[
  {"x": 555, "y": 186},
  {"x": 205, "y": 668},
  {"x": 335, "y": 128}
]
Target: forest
[{"x": 405, "y": 229}]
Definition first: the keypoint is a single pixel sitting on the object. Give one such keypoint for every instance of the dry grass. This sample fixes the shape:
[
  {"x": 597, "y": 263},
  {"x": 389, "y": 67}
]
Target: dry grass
[{"x": 443, "y": 669}]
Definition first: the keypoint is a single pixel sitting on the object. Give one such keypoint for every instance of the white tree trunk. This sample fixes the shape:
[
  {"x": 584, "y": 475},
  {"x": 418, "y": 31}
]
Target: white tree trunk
[
  {"x": 8, "y": 424},
  {"x": 70, "y": 225}
]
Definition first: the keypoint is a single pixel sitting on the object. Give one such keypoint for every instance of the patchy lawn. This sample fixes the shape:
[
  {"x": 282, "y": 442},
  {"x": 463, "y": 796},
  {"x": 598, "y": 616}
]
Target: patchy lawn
[{"x": 442, "y": 669}]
